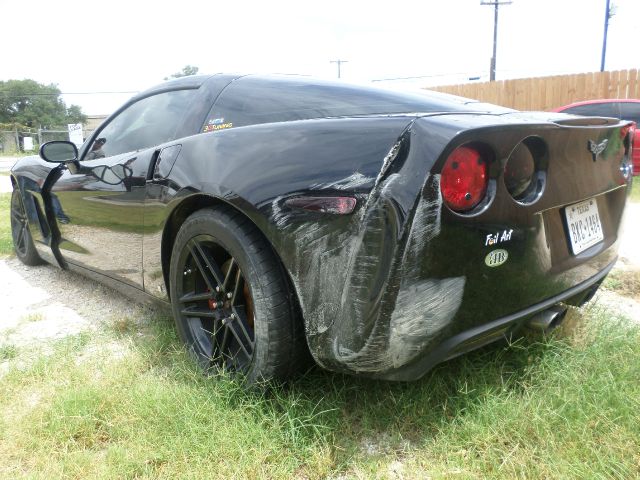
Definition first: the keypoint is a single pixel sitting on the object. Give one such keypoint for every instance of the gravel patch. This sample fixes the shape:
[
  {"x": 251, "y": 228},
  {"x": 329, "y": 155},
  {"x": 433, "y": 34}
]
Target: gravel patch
[
  {"x": 6, "y": 163},
  {"x": 614, "y": 302},
  {"x": 5, "y": 184},
  {"x": 630, "y": 243},
  {"x": 629, "y": 259},
  {"x": 43, "y": 304}
]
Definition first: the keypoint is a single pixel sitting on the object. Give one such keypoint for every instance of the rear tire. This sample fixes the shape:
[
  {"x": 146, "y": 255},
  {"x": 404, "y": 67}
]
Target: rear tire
[
  {"x": 22, "y": 241},
  {"x": 231, "y": 299}
]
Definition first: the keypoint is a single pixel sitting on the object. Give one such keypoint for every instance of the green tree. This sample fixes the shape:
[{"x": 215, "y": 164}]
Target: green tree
[
  {"x": 186, "y": 71},
  {"x": 33, "y": 104}
]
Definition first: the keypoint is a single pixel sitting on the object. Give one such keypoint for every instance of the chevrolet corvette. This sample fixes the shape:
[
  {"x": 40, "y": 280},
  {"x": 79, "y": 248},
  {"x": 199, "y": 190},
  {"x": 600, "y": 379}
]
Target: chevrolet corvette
[{"x": 284, "y": 218}]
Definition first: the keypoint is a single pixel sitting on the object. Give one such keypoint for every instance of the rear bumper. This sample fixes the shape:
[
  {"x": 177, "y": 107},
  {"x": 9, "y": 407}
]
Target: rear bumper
[{"x": 501, "y": 328}]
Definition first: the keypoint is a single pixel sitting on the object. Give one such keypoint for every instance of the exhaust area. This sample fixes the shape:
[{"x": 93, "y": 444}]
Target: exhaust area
[{"x": 547, "y": 320}]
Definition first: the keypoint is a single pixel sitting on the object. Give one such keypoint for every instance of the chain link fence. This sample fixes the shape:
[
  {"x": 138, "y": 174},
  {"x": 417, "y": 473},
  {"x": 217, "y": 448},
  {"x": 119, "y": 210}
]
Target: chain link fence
[{"x": 29, "y": 140}]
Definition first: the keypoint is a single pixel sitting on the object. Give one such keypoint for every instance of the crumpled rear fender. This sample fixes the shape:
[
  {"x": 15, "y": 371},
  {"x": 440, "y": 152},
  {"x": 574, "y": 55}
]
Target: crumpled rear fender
[{"x": 366, "y": 308}]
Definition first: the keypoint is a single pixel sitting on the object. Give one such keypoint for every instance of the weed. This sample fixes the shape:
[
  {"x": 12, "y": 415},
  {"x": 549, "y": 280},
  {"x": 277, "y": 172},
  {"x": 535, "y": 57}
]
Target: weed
[
  {"x": 33, "y": 317},
  {"x": 6, "y": 242},
  {"x": 8, "y": 352},
  {"x": 624, "y": 282},
  {"x": 122, "y": 325},
  {"x": 635, "y": 190}
]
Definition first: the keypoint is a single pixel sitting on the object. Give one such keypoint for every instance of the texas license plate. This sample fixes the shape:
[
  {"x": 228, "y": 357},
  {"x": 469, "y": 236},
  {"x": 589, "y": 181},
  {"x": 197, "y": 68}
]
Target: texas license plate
[{"x": 583, "y": 222}]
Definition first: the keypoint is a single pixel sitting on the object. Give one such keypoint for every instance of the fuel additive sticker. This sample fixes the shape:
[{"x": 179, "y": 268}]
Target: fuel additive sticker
[{"x": 495, "y": 258}]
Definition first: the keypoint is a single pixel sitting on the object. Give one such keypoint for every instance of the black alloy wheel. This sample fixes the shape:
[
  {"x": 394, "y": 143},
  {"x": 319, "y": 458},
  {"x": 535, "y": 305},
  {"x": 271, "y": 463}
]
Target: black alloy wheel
[
  {"x": 216, "y": 304},
  {"x": 22, "y": 241},
  {"x": 231, "y": 299}
]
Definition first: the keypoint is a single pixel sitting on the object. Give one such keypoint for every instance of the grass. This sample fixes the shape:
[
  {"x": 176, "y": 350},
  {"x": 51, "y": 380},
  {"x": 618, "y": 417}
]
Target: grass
[
  {"x": 6, "y": 244},
  {"x": 624, "y": 282},
  {"x": 635, "y": 190},
  {"x": 18, "y": 154},
  {"x": 556, "y": 408},
  {"x": 33, "y": 317},
  {"x": 8, "y": 352}
]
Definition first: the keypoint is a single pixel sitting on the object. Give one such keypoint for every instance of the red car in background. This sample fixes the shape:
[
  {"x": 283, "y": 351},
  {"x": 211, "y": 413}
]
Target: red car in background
[{"x": 627, "y": 109}]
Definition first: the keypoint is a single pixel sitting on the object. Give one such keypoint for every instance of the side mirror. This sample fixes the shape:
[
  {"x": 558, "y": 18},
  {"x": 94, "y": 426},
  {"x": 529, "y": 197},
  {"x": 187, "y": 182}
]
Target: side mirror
[{"x": 59, "y": 151}]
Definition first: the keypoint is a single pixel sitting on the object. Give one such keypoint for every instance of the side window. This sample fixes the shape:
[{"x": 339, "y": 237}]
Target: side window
[
  {"x": 595, "y": 110},
  {"x": 148, "y": 122},
  {"x": 630, "y": 111}
]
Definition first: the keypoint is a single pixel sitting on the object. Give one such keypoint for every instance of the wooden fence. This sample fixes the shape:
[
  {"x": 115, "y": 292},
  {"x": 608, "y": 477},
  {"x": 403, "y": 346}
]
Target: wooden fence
[{"x": 546, "y": 93}]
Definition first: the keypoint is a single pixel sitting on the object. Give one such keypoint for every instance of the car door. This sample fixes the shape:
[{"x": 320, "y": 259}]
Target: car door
[{"x": 98, "y": 203}]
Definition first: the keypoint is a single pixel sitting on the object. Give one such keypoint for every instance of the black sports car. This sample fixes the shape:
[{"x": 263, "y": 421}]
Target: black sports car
[{"x": 382, "y": 232}]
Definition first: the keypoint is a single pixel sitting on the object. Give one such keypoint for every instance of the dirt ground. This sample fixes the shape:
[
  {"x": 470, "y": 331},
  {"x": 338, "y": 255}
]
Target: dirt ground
[
  {"x": 5, "y": 165},
  {"x": 5, "y": 184},
  {"x": 45, "y": 303},
  {"x": 630, "y": 245}
]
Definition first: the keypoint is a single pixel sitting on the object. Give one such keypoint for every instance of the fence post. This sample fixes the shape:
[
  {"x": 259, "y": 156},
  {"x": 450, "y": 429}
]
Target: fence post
[
  {"x": 17, "y": 138},
  {"x": 39, "y": 136}
]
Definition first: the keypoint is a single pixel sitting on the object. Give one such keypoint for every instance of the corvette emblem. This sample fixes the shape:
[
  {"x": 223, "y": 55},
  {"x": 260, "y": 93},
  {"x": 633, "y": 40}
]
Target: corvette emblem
[{"x": 596, "y": 148}]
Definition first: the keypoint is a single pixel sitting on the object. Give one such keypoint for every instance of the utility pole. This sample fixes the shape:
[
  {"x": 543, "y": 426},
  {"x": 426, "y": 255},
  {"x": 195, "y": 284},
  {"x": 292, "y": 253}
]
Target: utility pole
[
  {"x": 496, "y": 4},
  {"x": 607, "y": 15},
  {"x": 339, "y": 62}
]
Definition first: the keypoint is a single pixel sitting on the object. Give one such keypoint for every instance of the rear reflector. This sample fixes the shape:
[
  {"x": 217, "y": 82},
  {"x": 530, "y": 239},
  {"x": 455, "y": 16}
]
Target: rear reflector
[
  {"x": 519, "y": 171},
  {"x": 333, "y": 205},
  {"x": 464, "y": 179}
]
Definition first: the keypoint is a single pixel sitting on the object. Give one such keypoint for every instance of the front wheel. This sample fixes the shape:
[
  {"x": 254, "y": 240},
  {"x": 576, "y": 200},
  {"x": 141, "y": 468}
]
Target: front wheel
[
  {"x": 22, "y": 241},
  {"x": 230, "y": 298}
]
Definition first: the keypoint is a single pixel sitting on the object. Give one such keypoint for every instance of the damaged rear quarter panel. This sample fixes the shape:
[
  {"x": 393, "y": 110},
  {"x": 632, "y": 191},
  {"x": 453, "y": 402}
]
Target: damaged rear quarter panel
[
  {"x": 366, "y": 306},
  {"x": 382, "y": 287},
  {"x": 345, "y": 269}
]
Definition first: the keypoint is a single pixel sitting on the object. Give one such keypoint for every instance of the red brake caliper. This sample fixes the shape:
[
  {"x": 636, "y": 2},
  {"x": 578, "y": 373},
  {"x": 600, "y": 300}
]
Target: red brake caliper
[{"x": 213, "y": 304}]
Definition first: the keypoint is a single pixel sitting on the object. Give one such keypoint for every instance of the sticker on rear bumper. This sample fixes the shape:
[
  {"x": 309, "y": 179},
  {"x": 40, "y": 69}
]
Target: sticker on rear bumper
[
  {"x": 496, "y": 258},
  {"x": 498, "y": 237}
]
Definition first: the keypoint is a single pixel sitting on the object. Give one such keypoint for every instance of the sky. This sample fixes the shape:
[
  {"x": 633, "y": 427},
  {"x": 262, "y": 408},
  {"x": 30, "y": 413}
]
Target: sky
[{"x": 128, "y": 46}]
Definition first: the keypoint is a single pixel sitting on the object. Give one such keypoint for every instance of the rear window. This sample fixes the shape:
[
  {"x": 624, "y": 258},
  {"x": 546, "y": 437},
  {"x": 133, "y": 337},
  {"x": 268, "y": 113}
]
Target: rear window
[
  {"x": 253, "y": 100},
  {"x": 630, "y": 111},
  {"x": 595, "y": 110}
]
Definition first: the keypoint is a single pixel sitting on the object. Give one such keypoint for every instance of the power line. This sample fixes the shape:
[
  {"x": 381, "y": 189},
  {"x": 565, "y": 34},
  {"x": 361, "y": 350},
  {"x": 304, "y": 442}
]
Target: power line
[
  {"x": 496, "y": 4},
  {"x": 37, "y": 94},
  {"x": 423, "y": 76},
  {"x": 339, "y": 62},
  {"x": 607, "y": 15}
]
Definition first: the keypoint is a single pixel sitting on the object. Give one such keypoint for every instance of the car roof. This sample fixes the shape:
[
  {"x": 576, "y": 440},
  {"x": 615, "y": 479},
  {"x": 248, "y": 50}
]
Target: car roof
[
  {"x": 596, "y": 101},
  {"x": 196, "y": 81}
]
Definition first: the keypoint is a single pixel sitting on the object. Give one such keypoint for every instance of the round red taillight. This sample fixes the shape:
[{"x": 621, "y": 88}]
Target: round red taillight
[{"x": 464, "y": 179}]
